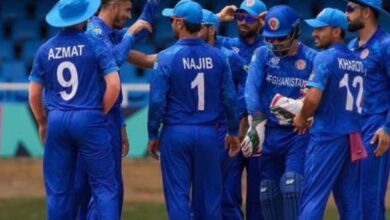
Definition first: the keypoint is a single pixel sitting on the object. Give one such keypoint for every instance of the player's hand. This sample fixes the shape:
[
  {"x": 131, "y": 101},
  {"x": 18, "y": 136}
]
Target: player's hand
[
  {"x": 301, "y": 124},
  {"x": 233, "y": 143},
  {"x": 227, "y": 13},
  {"x": 153, "y": 148},
  {"x": 42, "y": 133},
  {"x": 254, "y": 139},
  {"x": 244, "y": 125},
  {"x": 125, "y": 142},
  {"x": 284, "y": 109},
  {"x": 383, "y": 139},
  {"x": 138, "y": 26}
]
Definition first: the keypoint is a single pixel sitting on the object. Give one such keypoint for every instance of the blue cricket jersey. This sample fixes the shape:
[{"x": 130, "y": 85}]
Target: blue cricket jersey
[
  {"x": 71, "y": 66},
  {"x": 192, "y": 84},
  {"x": 238, "y": 67},
  {"x": 339, "y": 74},
  {"x": 118, "y": 39},
  {"x": 376, "y": 58},
  {"x": 240, "y": 46},
  {"x": 269, "y": 75}
]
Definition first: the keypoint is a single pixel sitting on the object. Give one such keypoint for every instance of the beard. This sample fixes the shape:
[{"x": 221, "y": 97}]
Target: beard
[
  {"x": 355, "y": 26},
  {"x": 248, "y": 32}
]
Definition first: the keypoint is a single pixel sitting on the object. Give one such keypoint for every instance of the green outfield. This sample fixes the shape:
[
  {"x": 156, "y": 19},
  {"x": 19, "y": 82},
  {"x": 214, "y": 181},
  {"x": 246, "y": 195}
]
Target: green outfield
[{"x": 34, "y": 209}]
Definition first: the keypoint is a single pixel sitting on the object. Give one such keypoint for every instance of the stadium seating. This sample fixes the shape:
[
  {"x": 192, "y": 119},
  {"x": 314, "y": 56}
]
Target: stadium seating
[
  {"x": 26, "y": 30},
  {"x": 23, "y": 29},
  {"x": 7, "y": 51}
]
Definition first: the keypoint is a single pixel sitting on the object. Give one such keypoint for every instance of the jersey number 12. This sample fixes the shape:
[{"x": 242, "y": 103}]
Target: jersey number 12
[{"x": 356, "y": 82}]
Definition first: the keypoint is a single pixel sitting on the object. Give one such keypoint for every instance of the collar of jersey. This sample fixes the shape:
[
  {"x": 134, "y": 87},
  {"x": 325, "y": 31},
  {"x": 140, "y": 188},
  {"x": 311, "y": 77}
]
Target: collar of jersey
[
  {"x": 340, "y": 46},
  {"x": 192, "y": 41},
  {"x": 98, "y": 21},
  {"x": 66, "y": 32},
  {"x": 378, "y": 32}
]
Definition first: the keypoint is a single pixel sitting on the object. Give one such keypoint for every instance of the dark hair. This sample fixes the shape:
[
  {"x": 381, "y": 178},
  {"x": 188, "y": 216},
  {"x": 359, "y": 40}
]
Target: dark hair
[
  {"x": 105, "y": 3},
  {"x": 192, "y": 28}
]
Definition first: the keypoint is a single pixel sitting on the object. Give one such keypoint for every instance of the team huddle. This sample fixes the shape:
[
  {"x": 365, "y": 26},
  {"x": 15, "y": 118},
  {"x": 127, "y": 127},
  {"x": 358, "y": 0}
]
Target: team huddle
[{"x": 303, "y": 122}]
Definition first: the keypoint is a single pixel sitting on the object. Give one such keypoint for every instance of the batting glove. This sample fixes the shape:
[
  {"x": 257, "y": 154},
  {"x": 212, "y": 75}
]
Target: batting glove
[
  {"x": 285, "y": 108},
  {"x": 254, "y": 139}
]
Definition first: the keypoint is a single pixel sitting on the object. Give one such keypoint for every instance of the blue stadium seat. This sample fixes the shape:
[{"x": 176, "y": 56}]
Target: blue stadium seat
[
  {"x": 14, "y": 71},
  {"x": 26, "y": 30},
  {"x": 128, "y": 73},
  {"x": 7, "y": 51},
  {"x": 12, "y": 10},
  {"x": 2, "y": 30},
  {"x": 43, "y": 8},
  {"x": 29, "y": 50}
]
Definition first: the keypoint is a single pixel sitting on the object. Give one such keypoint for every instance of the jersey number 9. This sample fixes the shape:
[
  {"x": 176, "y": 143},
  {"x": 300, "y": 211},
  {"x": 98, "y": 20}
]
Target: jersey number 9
[{"x": 72, "y": 83}]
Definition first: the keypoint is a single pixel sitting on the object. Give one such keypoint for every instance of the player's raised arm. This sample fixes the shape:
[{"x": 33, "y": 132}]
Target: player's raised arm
[{"x": 142, "y": 60}]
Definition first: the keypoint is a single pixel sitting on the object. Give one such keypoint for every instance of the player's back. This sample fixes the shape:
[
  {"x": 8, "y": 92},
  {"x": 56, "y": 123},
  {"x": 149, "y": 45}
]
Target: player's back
[
  {"x": 71, "y": 66},
  {"x": 195, "y": 72},
  {"x": 340, "y": 108}
]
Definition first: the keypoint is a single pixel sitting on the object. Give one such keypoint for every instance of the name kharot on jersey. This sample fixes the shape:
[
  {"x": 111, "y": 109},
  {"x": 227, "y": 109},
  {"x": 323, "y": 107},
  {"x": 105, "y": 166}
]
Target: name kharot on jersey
[
  {"x": 351, "y": 65},
  {"x": 65, "y": 52}
]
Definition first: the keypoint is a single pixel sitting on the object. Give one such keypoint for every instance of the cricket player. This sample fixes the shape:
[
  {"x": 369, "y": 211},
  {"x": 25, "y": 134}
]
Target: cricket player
[
  {"x": 250, "y": 22},
  {"x": 108, "y": 29},
  {"x": 191, "y": 87},
  {"x": 373, "y": 47},
  {"x": 282, "y": 67},
  {"x": 79, "y": 79},
  {"x": 210, "y": 25},
  {"x": 334, "y": 98}
]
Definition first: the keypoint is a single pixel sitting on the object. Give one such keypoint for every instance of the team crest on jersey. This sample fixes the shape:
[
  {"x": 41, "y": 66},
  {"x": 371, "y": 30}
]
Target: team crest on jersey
[
  {"x": 250, "y": 3},
  {"x": 364, "y": 54},
  {"x": 274, "y": 23},
  {"x": 300, "y": 64}
]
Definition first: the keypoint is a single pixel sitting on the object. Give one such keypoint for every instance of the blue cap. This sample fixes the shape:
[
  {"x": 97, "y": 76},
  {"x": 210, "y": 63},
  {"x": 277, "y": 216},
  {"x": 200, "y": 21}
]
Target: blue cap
[
  {"x": 190, "y": 11},
  {"x": 253, "y": 7},
  {"x": 329, "y": 17},
  {"x": 210, "y": 18},
  {"x": 71, "y": 12},
  {"x": 374, "y": 4},
  {"x": 280, "y": 21}
]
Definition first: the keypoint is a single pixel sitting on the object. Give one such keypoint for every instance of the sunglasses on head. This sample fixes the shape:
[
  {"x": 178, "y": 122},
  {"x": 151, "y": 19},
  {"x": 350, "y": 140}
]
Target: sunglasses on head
[
  {"x": 351, "y": 9},
  {"x": 245, "y": 17}
]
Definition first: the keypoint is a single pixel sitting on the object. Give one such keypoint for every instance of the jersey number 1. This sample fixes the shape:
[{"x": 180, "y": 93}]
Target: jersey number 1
[
  {"x": 72, "y": 83},
  {"x": 199, "y": 82},
  {"x": 357, "y": 81}
]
